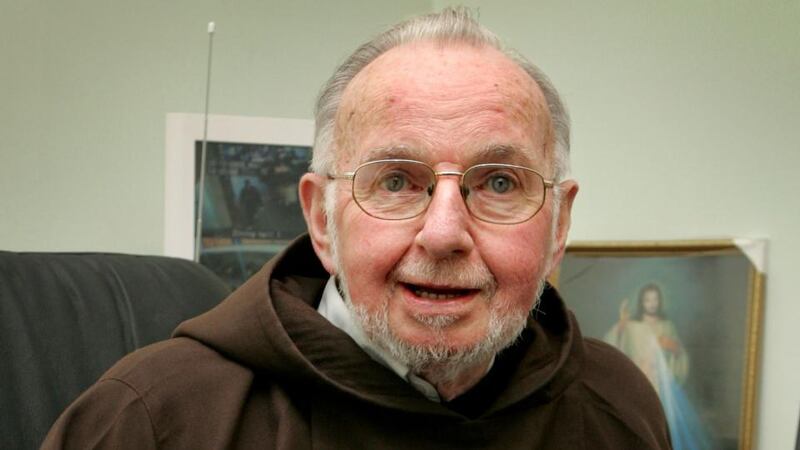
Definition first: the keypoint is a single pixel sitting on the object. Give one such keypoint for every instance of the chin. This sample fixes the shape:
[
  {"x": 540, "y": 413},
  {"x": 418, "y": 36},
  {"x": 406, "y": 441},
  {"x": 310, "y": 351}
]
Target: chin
[
  {"x": 439, "y": 341},
  {"x": 441, "y": 330}
]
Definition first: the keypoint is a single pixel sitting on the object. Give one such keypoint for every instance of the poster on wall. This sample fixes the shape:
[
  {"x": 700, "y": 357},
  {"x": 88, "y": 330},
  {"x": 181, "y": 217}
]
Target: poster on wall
[
  {"x": 251, "y": 210},
  {"x": 688, "y": 314}
]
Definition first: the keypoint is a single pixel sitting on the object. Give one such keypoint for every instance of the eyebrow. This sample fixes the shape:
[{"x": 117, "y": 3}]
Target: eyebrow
[
  {"x": 503, "y": 153},
  {"x": 393, "y": 152}
]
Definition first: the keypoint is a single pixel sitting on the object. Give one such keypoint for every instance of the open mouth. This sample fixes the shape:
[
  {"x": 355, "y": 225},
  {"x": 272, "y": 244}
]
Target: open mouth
[{"x": 437, "y": 292}]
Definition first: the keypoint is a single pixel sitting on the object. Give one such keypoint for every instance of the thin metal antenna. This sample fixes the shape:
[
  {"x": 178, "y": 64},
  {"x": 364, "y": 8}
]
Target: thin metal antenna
[{"x": 198, "y": 231}]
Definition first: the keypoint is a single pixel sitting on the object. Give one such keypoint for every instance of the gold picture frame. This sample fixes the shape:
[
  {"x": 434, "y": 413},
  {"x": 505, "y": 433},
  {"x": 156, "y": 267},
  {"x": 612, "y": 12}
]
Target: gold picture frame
[{"x": 694, "y": 325}]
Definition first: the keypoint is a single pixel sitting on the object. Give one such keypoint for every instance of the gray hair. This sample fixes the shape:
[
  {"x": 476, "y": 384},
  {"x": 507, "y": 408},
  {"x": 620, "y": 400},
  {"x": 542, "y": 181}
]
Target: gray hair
[{"x": 450, "y": 26}]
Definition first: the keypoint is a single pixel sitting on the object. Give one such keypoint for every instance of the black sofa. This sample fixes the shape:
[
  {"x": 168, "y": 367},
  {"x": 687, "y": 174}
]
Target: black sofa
[{"x": 65, "y": 318}]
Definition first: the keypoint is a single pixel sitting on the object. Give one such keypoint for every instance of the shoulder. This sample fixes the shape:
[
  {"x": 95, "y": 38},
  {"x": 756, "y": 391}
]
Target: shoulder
[
  {"x": 616, "y": 390},
  {"x": 603, "y": 360},
  {"x": 172, "y": 364},
  {"x": 109, "y": 411},
  {"x": 613, "y": 377},
  {"x": 149, "y": 397},
  {"x": 174, "y": 377}
]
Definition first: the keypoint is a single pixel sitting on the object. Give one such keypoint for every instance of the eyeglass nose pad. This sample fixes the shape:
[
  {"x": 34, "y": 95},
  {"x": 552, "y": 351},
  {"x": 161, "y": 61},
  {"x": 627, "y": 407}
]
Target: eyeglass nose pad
[
  {"x": 464, "y": 191},
  {"x": 430, "y": 190}
]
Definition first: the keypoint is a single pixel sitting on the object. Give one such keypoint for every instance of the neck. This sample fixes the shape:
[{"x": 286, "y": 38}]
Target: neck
[{"x": 451, "y": 382}]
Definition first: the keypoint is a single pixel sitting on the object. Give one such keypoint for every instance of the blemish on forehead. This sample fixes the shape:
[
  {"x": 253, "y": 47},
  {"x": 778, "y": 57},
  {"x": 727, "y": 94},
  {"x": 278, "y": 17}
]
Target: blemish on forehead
[{"x": 406, "y": 97}]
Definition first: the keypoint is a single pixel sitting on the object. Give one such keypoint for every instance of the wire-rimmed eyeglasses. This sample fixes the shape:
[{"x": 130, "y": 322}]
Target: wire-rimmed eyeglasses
[{"x": 397, "y": 189}]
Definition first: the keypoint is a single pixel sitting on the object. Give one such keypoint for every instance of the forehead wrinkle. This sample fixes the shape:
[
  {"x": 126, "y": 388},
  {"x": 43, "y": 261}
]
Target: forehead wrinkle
[
  {"x": 505, "y": 153},
  {"x": 499, "y": 109},
  {"x": 429, "y": 119},
  {"x": 392, "y": 152},
  {"x": 430, "y": 103}
]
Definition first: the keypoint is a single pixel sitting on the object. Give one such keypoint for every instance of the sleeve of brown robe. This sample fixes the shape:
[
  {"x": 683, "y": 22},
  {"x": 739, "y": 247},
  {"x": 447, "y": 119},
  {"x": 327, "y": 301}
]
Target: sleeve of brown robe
[{"x": 111, "y": 414}]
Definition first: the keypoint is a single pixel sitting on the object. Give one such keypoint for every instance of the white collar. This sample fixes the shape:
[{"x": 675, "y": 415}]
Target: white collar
[{"x": 332, "y": 307}]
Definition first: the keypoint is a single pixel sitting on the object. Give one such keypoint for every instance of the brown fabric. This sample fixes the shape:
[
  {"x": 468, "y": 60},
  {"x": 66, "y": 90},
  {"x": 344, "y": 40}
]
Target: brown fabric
[{"x": 264, "y": 370}]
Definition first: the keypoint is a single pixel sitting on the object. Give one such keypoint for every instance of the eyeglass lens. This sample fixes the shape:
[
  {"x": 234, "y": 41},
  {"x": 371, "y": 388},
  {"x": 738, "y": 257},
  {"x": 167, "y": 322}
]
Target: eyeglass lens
[{"x": 403, "y": 189}]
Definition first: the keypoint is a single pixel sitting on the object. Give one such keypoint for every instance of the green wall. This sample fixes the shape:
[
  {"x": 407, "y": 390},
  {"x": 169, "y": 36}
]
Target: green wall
[{"x": 86, "y": 86}]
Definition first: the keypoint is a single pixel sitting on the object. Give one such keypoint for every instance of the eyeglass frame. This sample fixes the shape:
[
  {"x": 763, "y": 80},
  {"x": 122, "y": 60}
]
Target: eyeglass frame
[{"x": 350, "y": 175}]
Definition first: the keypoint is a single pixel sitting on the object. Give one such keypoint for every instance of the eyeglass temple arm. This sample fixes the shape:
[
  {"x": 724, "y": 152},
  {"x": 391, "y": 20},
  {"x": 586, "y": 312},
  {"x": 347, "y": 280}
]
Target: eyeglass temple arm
[{"x": 343, "y": 176}]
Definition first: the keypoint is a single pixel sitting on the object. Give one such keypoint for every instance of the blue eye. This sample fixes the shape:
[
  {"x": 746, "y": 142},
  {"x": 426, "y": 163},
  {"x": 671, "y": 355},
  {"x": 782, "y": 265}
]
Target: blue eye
[
  {"x": 500, "y": 184},
  {"x": 394, "y": 182}
]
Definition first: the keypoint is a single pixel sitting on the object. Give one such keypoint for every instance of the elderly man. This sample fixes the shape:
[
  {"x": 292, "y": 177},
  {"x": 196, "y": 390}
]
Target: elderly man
[{"x": 415, "y": 314}]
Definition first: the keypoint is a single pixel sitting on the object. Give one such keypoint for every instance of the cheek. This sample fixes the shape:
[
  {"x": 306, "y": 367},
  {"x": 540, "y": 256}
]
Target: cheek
[
  {"x": 518, "y": 260},
  {"x": 369, "y": 250}
]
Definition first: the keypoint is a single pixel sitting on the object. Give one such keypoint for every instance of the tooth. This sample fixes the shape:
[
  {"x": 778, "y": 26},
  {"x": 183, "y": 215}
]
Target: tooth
[{"x": 424, "y": 293}]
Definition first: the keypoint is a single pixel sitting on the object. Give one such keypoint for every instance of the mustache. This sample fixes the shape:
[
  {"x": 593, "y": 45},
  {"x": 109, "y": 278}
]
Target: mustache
[{"x": 454, "y": 272}]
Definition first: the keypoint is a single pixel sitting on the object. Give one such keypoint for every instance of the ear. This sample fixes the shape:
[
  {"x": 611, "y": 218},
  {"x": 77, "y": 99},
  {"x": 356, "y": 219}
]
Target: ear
[
  {"x": 312, "y": 199},
  {"x": 569, "y": 189}
]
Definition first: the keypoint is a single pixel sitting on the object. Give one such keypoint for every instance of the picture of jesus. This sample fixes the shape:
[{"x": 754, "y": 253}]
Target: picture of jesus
[
  {"x": 686, "y": 314},
  {"x": 650, "y": 339}
]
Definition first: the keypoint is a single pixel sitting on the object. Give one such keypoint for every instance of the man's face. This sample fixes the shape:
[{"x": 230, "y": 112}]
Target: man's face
[
  {"x": 443, "y": 278},
  {"x": 650, "y": 302}
]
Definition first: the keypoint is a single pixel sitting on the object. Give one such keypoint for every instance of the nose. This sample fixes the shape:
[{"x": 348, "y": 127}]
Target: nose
[{"x": 445, "y": 232}]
